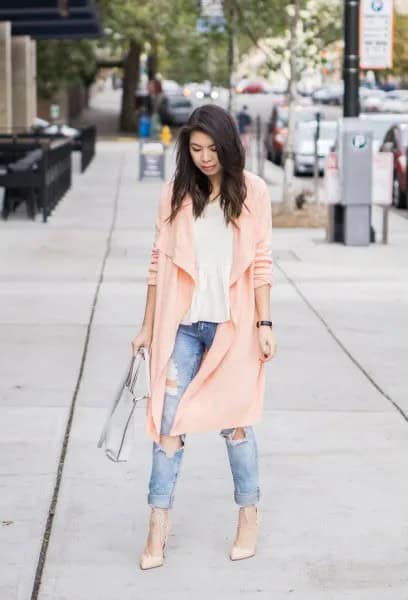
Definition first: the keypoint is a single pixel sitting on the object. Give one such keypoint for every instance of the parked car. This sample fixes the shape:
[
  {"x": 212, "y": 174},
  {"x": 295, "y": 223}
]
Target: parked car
[
  {"x": 170, "y": 87},
  {"x": 396, "y": 101},
  {"x": 380, "y": 123},
  {"x": 329, "y": 94},
  {"x": 175, "y": 109},
  {"x": 304, "y": 145},
  {"x": 371, "y": 100},
  {"x": 253, "y": 86},
  {"x": 277, "y": 127},
  {"x": 396, "y": 141},
  {"x": 201, "y": 91}
]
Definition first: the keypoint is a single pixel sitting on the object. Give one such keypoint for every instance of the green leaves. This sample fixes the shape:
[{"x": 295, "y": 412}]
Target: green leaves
[
  {"x": 401, "y": 46},
  {"x": 61, "y": 62}
]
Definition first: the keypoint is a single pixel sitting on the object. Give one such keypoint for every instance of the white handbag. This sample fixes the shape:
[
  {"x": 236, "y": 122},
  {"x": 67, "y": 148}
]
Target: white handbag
[{"x": 118, "y": 432}]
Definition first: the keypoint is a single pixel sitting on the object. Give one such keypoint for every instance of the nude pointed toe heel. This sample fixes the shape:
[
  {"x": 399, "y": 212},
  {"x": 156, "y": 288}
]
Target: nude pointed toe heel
[
  {"x": 159, "y": 526},
  {"x": 247, "y": 534}
]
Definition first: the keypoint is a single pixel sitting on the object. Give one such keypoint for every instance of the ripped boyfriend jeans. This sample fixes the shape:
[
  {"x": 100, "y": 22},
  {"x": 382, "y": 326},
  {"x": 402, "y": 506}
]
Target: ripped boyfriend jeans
[{"x": 190, "y": 344}]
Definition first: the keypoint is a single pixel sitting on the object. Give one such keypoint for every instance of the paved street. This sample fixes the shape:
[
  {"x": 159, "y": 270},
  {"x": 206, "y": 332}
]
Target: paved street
[{"x": 333, "y": 441}]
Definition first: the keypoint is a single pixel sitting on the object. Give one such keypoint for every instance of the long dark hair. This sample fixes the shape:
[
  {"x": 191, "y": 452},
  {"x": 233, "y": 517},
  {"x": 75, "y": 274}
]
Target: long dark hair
[{"x": 188, "y": 179}]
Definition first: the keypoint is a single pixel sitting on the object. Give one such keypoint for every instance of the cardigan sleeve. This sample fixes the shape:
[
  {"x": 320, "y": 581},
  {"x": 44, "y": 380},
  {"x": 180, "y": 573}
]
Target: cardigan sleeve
[
  {"x": 263, "y": 251},
  {"x": 160, "y": 217}
]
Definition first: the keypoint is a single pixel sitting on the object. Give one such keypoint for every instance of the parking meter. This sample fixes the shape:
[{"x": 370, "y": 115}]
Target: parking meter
[{"x": 353, "y": 216}]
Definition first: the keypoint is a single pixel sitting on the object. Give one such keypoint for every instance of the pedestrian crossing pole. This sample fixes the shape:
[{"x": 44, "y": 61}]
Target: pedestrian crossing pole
[
  {"x": 351, "y": 77},
  {"x": 351, "y": 67}
]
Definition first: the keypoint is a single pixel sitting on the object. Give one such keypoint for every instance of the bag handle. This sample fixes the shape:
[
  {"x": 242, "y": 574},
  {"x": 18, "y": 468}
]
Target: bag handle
[
  {"x": 146, "y": 355},
  {"x": 134, "y": 364}
]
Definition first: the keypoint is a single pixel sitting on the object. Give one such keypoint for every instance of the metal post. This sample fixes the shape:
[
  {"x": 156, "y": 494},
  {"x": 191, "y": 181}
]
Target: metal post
[
  {"x": 231, "y": 54},
  {"x": 258, "y": 145},
  {"x": 288, "y": 154},
  {"x": 44, "y": 192},
  {"x": 141, "y": 163},
  {"x": 406, "y": 179},
  {"x": 316, "y": 166},
  {"x": 351, "y": 67},
  {"x": 386, "y": 212}
]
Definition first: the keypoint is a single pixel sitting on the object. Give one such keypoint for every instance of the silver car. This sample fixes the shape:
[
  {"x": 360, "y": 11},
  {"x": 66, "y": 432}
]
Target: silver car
[
  {"x": 304, "y": 146},
  {"x": 175, "y": 109}
]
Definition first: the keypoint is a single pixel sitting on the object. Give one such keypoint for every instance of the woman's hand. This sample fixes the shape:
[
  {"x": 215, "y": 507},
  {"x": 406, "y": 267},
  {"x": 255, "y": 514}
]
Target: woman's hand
[
  {"x": 267, "y": 342},
  {"x": 143, "y": 338}
]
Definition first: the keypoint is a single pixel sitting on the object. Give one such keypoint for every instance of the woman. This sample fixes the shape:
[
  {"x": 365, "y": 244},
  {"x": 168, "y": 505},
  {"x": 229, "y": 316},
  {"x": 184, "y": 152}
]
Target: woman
[{"x": 207, "y": 319}]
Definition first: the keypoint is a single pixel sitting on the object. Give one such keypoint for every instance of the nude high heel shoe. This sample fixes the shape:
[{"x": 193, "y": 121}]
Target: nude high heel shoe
[
  {"x": 247, "y": 533},
  {"x": 159, "y": 526}
]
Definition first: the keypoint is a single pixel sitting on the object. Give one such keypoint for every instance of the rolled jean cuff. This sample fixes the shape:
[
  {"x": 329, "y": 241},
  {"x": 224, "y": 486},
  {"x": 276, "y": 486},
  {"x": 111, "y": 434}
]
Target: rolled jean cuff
[
  {"x": 160, "y": 500},
  {"x": 247, "y": 499}
]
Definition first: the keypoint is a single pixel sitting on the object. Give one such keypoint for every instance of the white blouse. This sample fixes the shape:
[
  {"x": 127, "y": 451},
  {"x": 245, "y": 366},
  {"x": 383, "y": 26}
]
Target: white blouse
[{"x": 213, "y": 243}]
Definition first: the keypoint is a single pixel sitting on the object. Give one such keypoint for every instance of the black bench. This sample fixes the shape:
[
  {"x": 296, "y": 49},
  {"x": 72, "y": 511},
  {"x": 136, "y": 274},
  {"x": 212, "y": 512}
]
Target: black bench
[
  {"x": 38, "y": 172},
  {"x": 85, "y": 144},
  {"x": 22, "y": 168}
]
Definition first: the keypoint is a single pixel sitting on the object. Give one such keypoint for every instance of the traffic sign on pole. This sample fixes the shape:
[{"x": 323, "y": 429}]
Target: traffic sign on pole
[{"x": 376, "y": 33}]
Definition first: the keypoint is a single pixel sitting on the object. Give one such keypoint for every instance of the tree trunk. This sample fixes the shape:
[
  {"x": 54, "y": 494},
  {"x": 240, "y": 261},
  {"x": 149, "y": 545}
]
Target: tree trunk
[
  {"x": 127, "y": 119},
  {"x": 288, "y": 165},
  {"x": 231, "y": 54},
  {"x": 153, "y": 60}
]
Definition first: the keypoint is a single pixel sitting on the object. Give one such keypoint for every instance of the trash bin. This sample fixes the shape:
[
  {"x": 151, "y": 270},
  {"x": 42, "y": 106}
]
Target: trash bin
[{"x": 144, "y": 125}]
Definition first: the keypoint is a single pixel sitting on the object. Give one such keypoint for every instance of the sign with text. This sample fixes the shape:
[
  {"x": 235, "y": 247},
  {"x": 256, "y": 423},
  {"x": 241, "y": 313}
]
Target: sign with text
[
  {"x": 331, "y": 179},
  {"x": 151, "y": 159},
  {"x": 381, "y": 184},
  {"x": 383, "y": 168},
  {"x": 212, "y": 8},
  {"x": 212, "y": 16},
  {"x": 376, "y": 33}
]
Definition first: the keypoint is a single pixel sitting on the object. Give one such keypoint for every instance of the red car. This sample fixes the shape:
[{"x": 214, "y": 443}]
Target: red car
[
  {"x": 277, "y": 130},
  {"x": 253, "y": 86},
  {"x": 396, "y": 141}
]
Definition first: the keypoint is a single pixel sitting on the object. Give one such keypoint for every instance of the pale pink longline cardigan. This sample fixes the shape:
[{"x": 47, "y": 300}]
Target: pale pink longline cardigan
[{"x": 228, "y": 390}]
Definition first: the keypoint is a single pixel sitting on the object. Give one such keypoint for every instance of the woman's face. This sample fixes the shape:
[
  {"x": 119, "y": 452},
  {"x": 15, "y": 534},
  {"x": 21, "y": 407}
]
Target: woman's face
[{"x": 204, "y": 153}]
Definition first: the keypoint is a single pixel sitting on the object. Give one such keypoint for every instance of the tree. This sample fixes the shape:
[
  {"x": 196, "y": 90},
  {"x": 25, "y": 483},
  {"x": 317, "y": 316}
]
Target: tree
[
  {"x": 129, "y": 25},
  {"x": 401, "y": 47},
  {"x": 61, "y": 62},
  {"x": 291, "y": 40},
  {"x": 168, "y": 31}
]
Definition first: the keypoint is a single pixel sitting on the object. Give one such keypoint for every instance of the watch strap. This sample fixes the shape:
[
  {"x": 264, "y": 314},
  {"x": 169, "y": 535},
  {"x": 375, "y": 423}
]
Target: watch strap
[{"x": 267, "y": 323}]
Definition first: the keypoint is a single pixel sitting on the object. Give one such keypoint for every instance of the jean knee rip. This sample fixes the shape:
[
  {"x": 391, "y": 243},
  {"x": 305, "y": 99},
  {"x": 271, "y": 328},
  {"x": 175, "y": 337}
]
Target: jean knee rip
[
  {"x": 172, "y": 378},
  {"x": 228, "y": 434},
  {"x": 159, "y": 448}
]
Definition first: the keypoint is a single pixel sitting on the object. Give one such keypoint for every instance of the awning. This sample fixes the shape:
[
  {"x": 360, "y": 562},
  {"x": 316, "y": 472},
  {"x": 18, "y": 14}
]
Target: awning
[{"x": 50, "y": 19}]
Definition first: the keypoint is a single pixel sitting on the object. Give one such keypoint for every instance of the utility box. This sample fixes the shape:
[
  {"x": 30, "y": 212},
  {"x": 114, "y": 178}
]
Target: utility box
[{"x": 351, "y": 219}]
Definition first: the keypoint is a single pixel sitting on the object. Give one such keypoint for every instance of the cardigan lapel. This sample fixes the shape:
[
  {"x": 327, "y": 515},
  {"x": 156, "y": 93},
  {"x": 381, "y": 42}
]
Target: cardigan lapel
[
  {"x": 243, "y": 246},
  {"x": 178, "y": 242}
]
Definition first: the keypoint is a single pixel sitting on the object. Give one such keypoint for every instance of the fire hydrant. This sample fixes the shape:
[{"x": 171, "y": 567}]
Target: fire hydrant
[{"x": 165, "y": 135}]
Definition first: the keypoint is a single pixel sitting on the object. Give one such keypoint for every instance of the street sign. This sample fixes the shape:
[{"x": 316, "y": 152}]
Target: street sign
[
  {"x": 331, "y": 179},
  {"x": 54, "y": 111},
  {"x": 376, "y": 33},
  {"x": 151, "y": 159},
  {"x": 212, "y": 8},
  {"x": 383, "y": 167},
  {"x": 207, "y": 24},
  {"x": 382, "y": 179},
  {"x": 212, "y": 16}
]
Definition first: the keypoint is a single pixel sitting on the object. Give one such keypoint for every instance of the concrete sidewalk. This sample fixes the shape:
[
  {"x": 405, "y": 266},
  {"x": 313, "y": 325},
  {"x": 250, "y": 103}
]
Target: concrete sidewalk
[{"x": 333, "y": 441}]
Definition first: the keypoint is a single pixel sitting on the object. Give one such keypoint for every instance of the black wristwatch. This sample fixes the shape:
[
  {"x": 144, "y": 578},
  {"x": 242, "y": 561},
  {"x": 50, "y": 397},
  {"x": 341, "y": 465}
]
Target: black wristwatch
[{"x": 267, "y": 323}]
